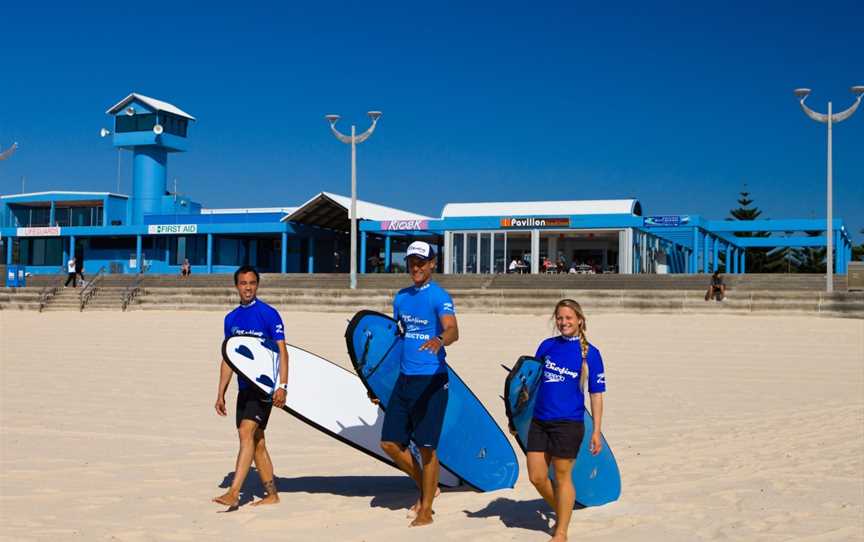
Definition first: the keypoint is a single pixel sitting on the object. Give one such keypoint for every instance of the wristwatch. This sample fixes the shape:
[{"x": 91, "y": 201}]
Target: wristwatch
[
  {"x": 282, "y": 387},
  {"x": 440, "y": 339}
]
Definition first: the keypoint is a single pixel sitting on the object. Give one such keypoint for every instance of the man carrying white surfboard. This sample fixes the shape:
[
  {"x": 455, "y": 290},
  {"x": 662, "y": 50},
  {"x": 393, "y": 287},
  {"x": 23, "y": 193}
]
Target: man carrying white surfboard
[
  {"x": 256, "y": 318},
  {"x": 419, "y": 400}
]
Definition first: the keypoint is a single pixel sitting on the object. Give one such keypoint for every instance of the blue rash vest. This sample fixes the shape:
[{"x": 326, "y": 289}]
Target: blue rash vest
[
  {"x": 257, "y": 319},
  {"x": 559, "y": 396},
  {"x": 420, "y": 311}
]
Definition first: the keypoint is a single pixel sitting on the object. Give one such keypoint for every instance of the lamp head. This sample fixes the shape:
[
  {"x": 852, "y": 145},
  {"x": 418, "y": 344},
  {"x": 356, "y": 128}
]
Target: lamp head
[
  {"x": 374, "y": 115},
  {"x": 802, "y": 92},
  {"x": 104, "y": 132},
  {"x": 857, "y": 89},
  {"x": 332, "y": 118}
]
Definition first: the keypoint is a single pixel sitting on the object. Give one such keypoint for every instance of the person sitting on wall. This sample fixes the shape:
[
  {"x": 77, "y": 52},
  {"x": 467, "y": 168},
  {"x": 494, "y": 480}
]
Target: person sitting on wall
[
  {"x": 185, "y": 268},
  {"x": 514, "y": 267},
  {"x": 716, "y": 290}
]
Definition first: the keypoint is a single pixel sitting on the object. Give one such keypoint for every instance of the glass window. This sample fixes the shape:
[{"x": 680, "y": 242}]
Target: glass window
[
  {"x": 458, "y": 244},
  {"x": 135, "y": 123},
  {"x": 485, "y": 254},
  {"x": 471, "y": 257}
]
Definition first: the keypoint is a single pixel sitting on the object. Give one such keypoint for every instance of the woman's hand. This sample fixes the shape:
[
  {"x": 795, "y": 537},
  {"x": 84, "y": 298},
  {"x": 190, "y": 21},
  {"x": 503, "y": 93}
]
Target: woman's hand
[{"x": 596, "y": 443}]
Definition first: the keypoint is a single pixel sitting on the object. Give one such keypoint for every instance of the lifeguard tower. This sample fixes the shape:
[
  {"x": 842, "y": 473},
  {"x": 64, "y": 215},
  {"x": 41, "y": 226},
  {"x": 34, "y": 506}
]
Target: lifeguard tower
[{"x": 151, "y": 129}]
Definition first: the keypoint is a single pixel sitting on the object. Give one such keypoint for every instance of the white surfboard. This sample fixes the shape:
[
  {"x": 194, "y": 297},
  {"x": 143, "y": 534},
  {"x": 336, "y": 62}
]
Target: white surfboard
[{"x": 322, "y": 394}]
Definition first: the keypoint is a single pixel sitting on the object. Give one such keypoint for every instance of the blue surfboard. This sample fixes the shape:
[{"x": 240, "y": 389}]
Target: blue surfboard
[
  {"x": 595, "y": 477},
  {"x": 472, "y": 446}
]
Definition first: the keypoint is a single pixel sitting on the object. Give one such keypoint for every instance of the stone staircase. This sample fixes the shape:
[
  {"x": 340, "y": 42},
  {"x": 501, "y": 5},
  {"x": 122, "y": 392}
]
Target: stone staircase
[{"x": 510, "y": 294}]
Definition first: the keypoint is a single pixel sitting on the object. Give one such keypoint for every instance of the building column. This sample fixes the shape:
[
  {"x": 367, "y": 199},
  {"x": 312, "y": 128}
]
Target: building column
[
  {"x": 310, "y": 256},
  {"x": 743, "y": 261},
  {"x": 694, "y": 253},
  {"x": 71, "y": 247},
  {"x": 10, "y": 240},
  {"x": 209, "y": 253},
  {"x": 535, "y": 251},
  {"x": 447, "y": 251},
  {"x": 731, "y": 260},
  {"x": 705, "y": 258},
  {"x": 51, "y": 214},
  {"x": 838, "y": 251},
  {"x": 139, "y": 261},
  {"x": 283, "y": 264},
  {"x": 387, "y": 253},
  {"x": 253, "y": 252},
  {"x": 362, "y": 261}
]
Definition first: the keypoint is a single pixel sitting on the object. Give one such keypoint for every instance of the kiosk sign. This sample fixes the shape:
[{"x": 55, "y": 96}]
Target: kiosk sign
[
  {"x": 176, "y": 229},
  {"x": 666, "y": 220},
  {"x": 404, "y": 225}
]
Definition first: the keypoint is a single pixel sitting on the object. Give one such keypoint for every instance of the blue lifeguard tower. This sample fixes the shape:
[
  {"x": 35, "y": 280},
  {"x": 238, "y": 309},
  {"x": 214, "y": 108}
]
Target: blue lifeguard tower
[{"x": 151, "y": 129}]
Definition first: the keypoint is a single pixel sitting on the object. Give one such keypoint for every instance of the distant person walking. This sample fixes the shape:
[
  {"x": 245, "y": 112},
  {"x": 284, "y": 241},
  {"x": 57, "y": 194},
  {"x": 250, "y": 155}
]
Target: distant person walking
[
  {"x": 70, "y": 269},
  {"x": 256, "y": 318},
  {"x": 79, "y": 269}
]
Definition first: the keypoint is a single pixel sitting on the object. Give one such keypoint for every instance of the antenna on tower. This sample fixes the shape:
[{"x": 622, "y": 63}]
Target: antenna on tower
[{"x": 8, "y": 152}]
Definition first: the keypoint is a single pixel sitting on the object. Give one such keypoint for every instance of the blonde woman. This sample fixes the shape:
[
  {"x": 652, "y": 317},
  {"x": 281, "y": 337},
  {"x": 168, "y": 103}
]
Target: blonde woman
[{"x": 557, "y": 427}]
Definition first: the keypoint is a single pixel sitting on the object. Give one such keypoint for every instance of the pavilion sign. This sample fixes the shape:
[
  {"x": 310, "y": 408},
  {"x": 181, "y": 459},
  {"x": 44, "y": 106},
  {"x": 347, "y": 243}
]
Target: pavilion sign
[{"x": 532, "y": 222}]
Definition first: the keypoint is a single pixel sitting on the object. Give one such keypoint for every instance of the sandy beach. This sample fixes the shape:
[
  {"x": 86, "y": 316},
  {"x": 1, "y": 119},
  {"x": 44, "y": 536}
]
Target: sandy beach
[{"x": 725, "y": 428}]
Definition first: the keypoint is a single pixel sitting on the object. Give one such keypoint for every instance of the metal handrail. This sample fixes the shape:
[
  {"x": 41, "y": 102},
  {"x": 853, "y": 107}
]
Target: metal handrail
[
  {"x": 50, "y": 289},
  {"x": 90, "y": 290},
  {"x": 132, "y": 291}
]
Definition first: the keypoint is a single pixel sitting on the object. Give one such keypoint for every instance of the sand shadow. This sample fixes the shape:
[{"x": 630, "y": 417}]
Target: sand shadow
[
  {"x": 392, "y": 492},
  {"x": 533, "y": 515}
]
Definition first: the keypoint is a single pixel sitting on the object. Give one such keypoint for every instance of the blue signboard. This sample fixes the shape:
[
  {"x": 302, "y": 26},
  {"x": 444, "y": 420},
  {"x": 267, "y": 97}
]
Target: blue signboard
[{"x": 665, "y": 220}]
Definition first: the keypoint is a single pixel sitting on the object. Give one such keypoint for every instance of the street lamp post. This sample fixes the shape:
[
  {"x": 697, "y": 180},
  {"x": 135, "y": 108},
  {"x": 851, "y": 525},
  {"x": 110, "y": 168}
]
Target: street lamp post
[
  {"x": 353, "y": 140},
  {"x": 829, "y": 119}
]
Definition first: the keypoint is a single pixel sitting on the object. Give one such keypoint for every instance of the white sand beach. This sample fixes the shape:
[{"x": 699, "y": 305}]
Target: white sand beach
[{"x": 725, "y": 428}]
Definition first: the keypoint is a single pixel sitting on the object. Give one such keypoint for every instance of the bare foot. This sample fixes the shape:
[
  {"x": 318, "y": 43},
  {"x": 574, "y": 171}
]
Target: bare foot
[
  {"x": 424, "y": 517},
  {"x": 412, "y": 512},
  {"x": 268, "y": 499},
  {"x": 228, "y": 499}
]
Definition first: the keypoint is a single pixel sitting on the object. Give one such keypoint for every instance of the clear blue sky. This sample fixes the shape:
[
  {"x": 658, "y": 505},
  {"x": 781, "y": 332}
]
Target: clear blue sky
[{"x": 674, "y": 104}]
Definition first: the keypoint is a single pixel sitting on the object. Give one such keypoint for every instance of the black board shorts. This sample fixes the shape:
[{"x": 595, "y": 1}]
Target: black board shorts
[
  {"x": 253, "y": 404},
  {"x": 416, "y": 410},
  {"x": 558, "y": 438}
]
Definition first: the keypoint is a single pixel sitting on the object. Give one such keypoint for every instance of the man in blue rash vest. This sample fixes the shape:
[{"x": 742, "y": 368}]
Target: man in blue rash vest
[
  {"x": 252, "y": 317},
  {"x": 419, "y": 400}
]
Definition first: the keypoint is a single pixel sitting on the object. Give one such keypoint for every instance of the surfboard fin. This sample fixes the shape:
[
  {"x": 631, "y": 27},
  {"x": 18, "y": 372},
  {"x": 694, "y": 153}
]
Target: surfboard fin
[{"x": 508, "y": 369}]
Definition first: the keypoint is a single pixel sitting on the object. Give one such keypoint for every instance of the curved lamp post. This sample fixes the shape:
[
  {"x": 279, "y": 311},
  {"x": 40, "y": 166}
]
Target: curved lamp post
[
  {"x": 8, "y": 152},
  {"x": 353, "y": 140},
  {"x": 829, "y": 119}
]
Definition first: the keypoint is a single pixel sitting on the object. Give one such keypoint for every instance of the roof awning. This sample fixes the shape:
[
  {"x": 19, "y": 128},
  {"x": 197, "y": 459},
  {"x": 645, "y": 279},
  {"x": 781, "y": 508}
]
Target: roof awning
[
  {"x": 328, "y": 210},
  {"x": 322, "y": 211}
]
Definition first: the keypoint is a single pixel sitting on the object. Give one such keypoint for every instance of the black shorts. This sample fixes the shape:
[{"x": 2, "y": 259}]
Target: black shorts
[
  {"x": 416, "y": 410},
  {"x": 558, "y": 438},
  {"x": 253, "y": 404}
]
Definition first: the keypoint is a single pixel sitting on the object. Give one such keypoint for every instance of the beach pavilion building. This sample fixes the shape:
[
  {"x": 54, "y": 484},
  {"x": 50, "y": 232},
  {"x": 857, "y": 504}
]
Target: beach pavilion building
[{"x": 155, "y": 230}]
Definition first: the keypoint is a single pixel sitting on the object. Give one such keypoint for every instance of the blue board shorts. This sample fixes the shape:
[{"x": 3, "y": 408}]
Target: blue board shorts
[{"x": 416, "y": 410}]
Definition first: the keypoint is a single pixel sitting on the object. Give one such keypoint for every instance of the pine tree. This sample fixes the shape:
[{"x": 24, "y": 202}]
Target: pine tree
[
  {"x": 759, "y": 259},
  {"x": 858, "y": 252}
]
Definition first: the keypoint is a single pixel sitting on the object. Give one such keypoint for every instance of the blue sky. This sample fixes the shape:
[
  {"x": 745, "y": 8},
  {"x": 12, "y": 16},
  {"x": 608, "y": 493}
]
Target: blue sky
[{"x": 676, "y": 104}]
